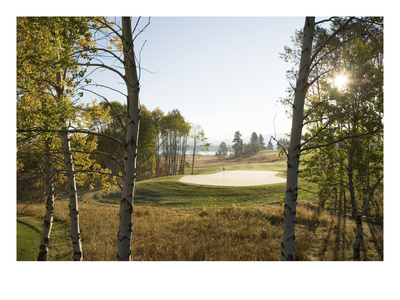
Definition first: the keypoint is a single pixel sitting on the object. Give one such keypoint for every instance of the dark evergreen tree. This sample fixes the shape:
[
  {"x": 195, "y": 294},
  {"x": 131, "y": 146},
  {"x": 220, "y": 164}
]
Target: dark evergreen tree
[
  {"x": 254, "y": 137},
  {"x": 270, "y": 146},
  {"x": 261, "y": 140},
  {"x": 237, "y": 144}
]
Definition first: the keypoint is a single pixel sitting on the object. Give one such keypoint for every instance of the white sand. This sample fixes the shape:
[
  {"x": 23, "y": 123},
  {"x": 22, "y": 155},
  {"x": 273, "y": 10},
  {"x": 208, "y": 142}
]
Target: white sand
[{"x": 235, "y": 178}]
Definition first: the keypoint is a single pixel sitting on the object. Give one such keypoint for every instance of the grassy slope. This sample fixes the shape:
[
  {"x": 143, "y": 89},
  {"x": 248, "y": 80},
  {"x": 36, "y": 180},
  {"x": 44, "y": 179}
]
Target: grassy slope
[
  {"x": 60, "y": 241},
  {"x": 277, "y": 166},
  {"x": 28, "y": 240},
  {"x": 211, "y": 233},
  {"x": 170, "y": 192},
  {"x": 168, "y": 224}
]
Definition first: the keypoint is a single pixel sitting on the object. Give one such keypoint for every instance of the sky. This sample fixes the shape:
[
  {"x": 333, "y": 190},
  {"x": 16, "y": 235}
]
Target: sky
[{"x": 222, "y": 73}]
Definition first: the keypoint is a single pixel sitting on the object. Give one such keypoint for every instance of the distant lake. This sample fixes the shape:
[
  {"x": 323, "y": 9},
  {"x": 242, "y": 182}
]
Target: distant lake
[{"x": 202, "y": 152}]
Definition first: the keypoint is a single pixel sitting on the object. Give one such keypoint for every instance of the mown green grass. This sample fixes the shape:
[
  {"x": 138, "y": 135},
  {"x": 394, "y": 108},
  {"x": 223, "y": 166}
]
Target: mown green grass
[
  {"x": 277, "y": 166},
  {"x": 170, "y": 192},
  {"x": 28, "y": 240}
]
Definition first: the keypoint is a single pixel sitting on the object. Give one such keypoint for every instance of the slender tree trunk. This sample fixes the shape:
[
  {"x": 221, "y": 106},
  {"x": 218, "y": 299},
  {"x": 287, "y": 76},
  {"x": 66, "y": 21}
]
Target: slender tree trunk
[
  {"x": 73, "y": 198},
  {"x": 48, "y": 220},
  {"x": 158, "y": 158},
  {"x": 167, "y": 156},
  {"x": 194, "y": 154},
  {"x": 183, "y": 156},
  {"x": 356, "y": 216},
  {"x": 175, "y": 155},
  {"x": 288, "y": 238},
  {"x": 131, "y": 143}
]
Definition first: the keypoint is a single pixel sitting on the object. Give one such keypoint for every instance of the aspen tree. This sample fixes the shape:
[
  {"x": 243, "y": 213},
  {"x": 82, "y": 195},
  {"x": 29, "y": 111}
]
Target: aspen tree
[
  {"x": 131, "y": 140},
  {"x": 344, "y": 125},
  {"x": 293, "y": 157},
  {"x": 47, "y": 75},
  {"x": 73, "y": 198},
  {"x": 48, "y": 219}
]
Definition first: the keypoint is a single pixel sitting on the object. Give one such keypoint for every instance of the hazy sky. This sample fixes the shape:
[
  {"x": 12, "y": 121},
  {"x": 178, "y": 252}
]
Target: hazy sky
[{"x": 223, "y": 73}]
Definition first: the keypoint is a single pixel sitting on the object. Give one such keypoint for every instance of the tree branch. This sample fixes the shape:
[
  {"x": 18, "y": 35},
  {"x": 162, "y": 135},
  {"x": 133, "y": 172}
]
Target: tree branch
[
  {"x": 326, "y": 20},
  {"x": 110, "y": 52},
  {"x": 371, "y": 194},
  {"x": 342, "y": 139},
  {"x": 333, "y": 49},
  {"x": 103, "y": 66},
  {"x": 283, "y": 148},
  {"x": 154, "y": 152},
  {"x": 75, "y": 171},
  {"x": 329, "y": 38},
  {"x": 140, "y": 30},
  {"x": 85, "y": 131},
  {"x": 103, "y": 86},
  {"x": 108, "y": 25},
  {"x": 109, "y": 104},
  {"x": 29, "y": 153},
  {"x": 330, "y": 119}
]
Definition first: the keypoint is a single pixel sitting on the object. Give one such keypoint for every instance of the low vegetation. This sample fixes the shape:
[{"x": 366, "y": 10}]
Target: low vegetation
[
  {"x": 180, "y": 222},
  {"x": 231, "y": 233}
]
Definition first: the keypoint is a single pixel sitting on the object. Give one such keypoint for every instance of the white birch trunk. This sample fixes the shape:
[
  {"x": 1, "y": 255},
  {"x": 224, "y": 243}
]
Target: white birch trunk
[
  {"x": 73, "y": 199},
  {"x": 288, "y": 238},
  {"x": 194, "y": 155},
  {"x": 48, "y": 220},
  {"x": 131, "y": 140}
]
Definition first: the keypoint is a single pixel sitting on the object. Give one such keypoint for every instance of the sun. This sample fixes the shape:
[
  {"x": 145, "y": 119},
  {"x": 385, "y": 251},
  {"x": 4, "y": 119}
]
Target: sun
[{"x": 341, "y": 81}]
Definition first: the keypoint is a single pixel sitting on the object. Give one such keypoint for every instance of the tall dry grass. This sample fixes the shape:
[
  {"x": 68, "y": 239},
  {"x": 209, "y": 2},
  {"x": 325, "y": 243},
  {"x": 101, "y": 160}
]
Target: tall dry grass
[{"x": 218, "y": 234}]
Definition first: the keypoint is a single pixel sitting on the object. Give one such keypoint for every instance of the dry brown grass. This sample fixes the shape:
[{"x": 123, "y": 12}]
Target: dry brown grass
[
  {"x": 264, "y": 156},
  {"x": 218, "y": 234}
]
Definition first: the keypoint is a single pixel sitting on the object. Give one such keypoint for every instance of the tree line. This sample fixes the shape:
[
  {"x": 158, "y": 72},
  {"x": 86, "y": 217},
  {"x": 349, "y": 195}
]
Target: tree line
[
  {"x": 164, "y": 141},
  {"x": 256, "y": 144}
]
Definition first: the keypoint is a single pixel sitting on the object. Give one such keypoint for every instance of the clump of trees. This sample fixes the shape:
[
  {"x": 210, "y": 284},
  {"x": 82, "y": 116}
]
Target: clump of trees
[
  {"x": 48, "y": 74},
  {"x": 163, "y": 141},
  {"x": 255, "y": 145},
  {"x": 222, "y": 150},
  {"x": 62, "y": 145},
  {"x": 343, "y": 122}
]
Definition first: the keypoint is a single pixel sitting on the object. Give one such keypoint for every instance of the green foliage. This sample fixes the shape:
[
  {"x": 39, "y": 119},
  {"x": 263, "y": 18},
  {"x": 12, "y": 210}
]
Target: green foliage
[
  {"x": 48, "y": 74},
  {"x": 27, "y": 242},
  {"x": 345, "y": 126},
  {"x": 147, "y": 144},
  {"x": 222, "y": 150},
  {"x": 199, "y": 138},
  {"x": 254, "y": 138},
  {"x": 174, "y": 134},
  {"x": 261, "y": 139},
  {"x": 237, "y": 144},
  {"x": 270, "y": 146}
]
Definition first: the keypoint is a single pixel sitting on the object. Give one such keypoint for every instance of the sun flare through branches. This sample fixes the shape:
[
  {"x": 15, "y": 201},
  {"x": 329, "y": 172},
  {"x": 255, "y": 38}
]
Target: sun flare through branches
[{"x": 341, "y": 81}]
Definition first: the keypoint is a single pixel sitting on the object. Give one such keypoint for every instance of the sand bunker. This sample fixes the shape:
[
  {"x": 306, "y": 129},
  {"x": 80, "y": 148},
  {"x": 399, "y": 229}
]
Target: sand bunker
[{"x": 235, "y": 178}]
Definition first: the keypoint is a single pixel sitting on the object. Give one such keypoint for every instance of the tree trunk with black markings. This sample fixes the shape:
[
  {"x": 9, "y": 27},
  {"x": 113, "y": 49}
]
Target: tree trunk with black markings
[
  {"x": 131, "y": 140},
  {"x": 73, "y": 198},
  {"x": 293, "y": 159},
  {"x": 48, "y": 220}
]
